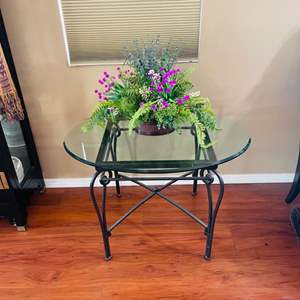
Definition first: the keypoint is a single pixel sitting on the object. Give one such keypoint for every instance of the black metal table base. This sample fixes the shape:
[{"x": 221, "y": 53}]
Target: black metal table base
[{"x": 205, "y": 175}]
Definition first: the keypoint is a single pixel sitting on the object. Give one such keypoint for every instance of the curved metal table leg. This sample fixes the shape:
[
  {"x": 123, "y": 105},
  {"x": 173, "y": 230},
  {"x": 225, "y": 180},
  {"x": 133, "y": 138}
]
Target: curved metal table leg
[
  {"x": 212, "y": 211},
  {"x": 101, "y": 214},
  {"x": 295, "y": 188},
  {"x": 118, "y": 189},
  {"x": 117, "y": 133},
  {"x": 195, "y": 183},
  {"x": 197, "y": 157}
]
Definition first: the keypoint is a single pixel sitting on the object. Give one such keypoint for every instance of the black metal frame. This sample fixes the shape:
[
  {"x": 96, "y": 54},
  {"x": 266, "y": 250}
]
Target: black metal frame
[
  {"x": 205, "y": 174},
  {"x": 295, "y": 188},
  {"x": 13, "y": 201}
]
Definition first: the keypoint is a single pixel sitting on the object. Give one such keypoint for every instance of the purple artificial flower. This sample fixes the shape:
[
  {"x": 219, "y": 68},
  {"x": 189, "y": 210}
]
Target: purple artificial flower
[
  {"x": 178, "y": 70},
  {"x": 119, "y": 75},
  {"x": 159, "y": 89},
  {"x": 142, "y": 104},
  {"x": 171, "y": 73},
  {"x": 165, "y": 104},
  {"x": 154, "y": 107},
  {"x": 106, "y": 75},
  {"x": 168, "y": 90},
  {"x": 96, "y": 91},
  {"x": 161, "y": 69},
  {"x": 166, "y": 75},
  {"x": 186, "y": 97},
  {"x": 118, "y": 68},
  {"x": 179, "y": 101},
  {"x": 100, "y": 81},
  {"x": 151, "y": 89},
  {"x": 173, "y": 82},
  {"x": 103, "y": 79}
]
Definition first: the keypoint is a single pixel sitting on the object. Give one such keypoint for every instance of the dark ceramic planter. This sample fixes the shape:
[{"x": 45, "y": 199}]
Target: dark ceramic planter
[{"x": 152, "y": 129}]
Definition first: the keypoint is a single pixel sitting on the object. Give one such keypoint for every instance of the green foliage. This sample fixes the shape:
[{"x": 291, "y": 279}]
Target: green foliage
[
  {"x": 202, "y": 108},
  {"x": 151, "y": 90},
  {"x": 103, "y": 112},
  {"x": 183, "y": 85},
  {"x": 137, "y": 117},
  {"x": 175, "y": 116}
]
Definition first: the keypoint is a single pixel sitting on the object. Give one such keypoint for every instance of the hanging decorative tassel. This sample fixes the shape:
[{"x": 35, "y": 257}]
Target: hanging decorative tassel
[{"x": 10, "y": 103}]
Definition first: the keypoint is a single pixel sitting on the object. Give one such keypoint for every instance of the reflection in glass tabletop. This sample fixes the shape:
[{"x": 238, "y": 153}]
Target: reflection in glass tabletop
[{"x": 112, "y": 148}]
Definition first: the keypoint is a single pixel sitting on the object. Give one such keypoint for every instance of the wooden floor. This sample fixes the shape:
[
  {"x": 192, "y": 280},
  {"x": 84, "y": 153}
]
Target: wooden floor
[{"x": 157, "y": 252}]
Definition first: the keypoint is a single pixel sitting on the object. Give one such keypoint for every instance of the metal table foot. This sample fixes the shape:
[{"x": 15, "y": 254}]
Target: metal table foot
[
  {"x": 101, "y": 213},
  {"x": 212, "y": 211}
]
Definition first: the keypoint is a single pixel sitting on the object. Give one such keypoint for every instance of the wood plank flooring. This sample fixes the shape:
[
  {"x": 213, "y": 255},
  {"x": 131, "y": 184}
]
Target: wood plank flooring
[{"x": 157, "y": 252}]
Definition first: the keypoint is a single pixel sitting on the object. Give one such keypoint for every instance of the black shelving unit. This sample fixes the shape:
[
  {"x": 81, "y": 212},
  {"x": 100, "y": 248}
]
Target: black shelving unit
[{"x": 20, "y": 171}]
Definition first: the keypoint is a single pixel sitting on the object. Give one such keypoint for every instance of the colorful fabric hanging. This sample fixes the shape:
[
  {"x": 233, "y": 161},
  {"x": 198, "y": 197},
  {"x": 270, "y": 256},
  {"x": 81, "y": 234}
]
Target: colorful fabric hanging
[{"x": 10, "y": 103}]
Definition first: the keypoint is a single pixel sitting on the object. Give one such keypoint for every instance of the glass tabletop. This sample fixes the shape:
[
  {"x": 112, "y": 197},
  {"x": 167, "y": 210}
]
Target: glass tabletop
[{"x": 113, "y": 148}]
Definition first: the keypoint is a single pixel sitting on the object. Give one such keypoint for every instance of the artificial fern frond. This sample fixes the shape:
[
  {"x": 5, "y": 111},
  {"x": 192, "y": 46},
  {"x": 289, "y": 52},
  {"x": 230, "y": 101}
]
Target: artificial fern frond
[
  {"x": 136, "y": 118},
  {"x": 102, "y": 112}
]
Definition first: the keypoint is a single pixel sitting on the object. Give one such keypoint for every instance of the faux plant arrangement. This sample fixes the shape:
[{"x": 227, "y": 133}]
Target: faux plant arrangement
[{"x": 150, "y": 91}]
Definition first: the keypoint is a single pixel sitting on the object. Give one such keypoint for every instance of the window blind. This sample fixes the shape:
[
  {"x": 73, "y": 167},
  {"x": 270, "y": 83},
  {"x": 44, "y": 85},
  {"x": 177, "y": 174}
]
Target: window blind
[{"x": 97, "y": 31}]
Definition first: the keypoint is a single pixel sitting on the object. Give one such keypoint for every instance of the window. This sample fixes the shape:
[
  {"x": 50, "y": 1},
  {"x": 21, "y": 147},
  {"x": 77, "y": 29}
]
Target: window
[{"x": 97, "y": 31}]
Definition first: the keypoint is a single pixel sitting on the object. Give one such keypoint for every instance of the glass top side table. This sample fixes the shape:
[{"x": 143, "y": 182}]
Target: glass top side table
[{"x": 113, "y": 152}]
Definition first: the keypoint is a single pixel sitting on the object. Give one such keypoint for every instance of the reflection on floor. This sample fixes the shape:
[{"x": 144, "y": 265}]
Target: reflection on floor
[{"x": 157, "y": 252}]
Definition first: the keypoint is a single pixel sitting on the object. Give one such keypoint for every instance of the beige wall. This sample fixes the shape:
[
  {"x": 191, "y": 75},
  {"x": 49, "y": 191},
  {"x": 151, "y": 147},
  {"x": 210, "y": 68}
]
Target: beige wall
[{"x": 250, "y": 68}]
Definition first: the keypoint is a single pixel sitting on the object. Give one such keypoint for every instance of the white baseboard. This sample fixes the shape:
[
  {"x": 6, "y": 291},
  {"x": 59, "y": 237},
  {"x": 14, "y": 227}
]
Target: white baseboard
[{"x": 228, "y": 179}]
